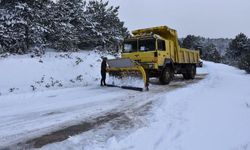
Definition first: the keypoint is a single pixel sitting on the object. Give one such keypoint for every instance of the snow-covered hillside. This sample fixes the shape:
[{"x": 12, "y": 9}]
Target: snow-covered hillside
[
  {"x": 208, "y": 114},
  {"x": 53, "y": 71}
]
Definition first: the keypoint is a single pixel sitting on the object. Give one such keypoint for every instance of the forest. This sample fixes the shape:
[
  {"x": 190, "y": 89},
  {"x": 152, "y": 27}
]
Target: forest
[{"x": 65, "y": 25}]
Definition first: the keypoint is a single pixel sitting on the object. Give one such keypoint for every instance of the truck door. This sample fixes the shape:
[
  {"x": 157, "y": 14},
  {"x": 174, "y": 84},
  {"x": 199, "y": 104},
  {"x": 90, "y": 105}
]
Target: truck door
[{"x": 162, "y": 51}]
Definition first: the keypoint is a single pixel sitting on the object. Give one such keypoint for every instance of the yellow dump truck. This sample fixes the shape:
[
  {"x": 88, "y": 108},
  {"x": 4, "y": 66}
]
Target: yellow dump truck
[{"x": 155, "y": 52}]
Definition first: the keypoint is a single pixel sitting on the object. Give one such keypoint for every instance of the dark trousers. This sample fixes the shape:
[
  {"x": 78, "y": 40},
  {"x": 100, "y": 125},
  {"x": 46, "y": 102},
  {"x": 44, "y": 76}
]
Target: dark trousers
[{"x": 103, "y": 80}]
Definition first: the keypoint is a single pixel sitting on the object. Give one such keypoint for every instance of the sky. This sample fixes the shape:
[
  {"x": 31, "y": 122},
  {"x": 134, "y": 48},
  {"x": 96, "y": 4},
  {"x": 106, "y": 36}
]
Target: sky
[{"x": 208, "y": 18}]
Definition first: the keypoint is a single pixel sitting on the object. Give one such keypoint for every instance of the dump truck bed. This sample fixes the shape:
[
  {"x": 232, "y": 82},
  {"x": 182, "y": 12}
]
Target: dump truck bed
[{"x": 187, "y": 56}]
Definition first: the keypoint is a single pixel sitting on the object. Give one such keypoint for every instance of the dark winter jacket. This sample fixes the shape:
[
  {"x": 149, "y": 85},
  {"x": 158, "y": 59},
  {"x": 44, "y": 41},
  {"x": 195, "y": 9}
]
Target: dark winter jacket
[{"x": 103, "y": 66}]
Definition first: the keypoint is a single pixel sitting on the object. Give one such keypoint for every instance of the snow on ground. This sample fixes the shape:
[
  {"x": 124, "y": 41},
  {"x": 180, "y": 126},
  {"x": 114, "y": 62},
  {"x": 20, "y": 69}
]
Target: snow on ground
[
  {"x": 213, "y": 114},
  {"x": 25, "y": 116},
  {"x": 52, "y": 71},
  {"x": 31, "y": 113}
]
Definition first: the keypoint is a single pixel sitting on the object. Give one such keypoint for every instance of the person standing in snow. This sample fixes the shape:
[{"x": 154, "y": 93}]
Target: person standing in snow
[{"x": 103, "y": 71}]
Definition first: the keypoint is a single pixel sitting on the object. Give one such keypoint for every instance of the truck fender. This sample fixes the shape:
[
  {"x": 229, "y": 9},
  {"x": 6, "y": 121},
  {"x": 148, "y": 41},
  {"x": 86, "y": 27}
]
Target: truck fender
[{"x": 168, "y": 62}]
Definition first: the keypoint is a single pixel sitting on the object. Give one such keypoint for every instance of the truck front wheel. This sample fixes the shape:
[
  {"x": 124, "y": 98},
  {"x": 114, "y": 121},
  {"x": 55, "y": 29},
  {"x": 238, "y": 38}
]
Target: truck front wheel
[{"x": 166, "y": 76}]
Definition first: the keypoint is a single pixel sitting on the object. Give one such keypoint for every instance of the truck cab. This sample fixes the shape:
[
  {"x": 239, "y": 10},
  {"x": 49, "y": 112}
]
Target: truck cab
[{"x": 149, "y": 51}]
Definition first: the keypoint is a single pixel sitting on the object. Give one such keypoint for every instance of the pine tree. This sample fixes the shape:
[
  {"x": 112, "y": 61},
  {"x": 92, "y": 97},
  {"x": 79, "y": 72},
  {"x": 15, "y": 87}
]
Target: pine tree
[
  {"x": 65, "y": 19},
  {"x": 192, "y": 42},
  {"x": 12, "y": 26},
  {"x": 244, "y": 63},
  {"x": 238, "y": 53},
  {"x": 108, "y": 29},
  {"x": 211, "y": 53},
  {"x": 65, "y": 25},
  {"x": 3, "y": 37},
  {"x": 22, "y": 24},
  {"x": 237, "y": 46},
  {"x": 248, "y": 46}
]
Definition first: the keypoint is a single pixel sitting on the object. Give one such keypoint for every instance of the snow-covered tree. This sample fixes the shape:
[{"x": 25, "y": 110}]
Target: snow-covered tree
[
  {"x": 238, "y": 53},
  {"x": 210, "y": 53},
  {"x": 238, "y": 46},
  {"x": 192, "y": 42},
  {"x": 22, "y": 24},
  {"x": 65, "y": 19},
  {"x": 108, "y": 29},
  {"x": 12, "y": 27},
  {"x": 64, "y": 25},
  {"x": 85, "y": 25},
  {"x": 244, "y": 63}
]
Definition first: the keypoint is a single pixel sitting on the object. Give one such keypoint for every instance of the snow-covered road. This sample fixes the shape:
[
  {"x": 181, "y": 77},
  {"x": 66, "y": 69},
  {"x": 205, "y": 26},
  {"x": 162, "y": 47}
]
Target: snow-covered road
[
  {"x": 26, "y": 116},
  {"x": 213, "y": 114},
  {"x": 210, "y": 114}
]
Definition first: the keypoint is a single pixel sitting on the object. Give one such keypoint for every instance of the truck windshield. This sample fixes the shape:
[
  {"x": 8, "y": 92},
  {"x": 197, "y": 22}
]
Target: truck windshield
[
  {"x": 130, "y": 46},
  {"x": 147, "y": 44}
]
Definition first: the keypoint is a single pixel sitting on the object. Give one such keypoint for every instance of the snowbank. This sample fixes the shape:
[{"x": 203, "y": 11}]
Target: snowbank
[{"x": 54, "y": 70}]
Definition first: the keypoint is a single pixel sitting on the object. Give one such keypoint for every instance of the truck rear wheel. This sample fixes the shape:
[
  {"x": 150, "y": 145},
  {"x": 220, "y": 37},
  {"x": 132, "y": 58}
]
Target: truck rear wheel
[
  {"x": 190, "y": 72},
  {"x": 166, "y": 76}
]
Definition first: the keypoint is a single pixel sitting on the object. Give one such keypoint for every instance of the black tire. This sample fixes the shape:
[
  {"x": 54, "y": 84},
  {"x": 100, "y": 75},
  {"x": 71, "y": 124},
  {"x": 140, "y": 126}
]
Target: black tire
[
  {"x": 190, "y": 72},
  {"x": 166, "y": 76},
  {"x": 186, "y": 76}
]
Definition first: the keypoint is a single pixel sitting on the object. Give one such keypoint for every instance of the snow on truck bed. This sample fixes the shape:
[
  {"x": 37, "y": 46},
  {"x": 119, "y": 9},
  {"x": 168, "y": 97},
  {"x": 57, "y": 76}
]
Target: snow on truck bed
[{"x": 212, "y": 114}]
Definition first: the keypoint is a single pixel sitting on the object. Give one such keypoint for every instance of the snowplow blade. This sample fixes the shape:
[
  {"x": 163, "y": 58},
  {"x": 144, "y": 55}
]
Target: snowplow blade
[
  {"x": 127, "y": 70},
  {"x": 126, "y": 87}
]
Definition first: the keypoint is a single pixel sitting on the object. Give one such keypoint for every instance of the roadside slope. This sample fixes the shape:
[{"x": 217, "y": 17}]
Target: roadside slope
[{"x": 54, "y": 70}]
